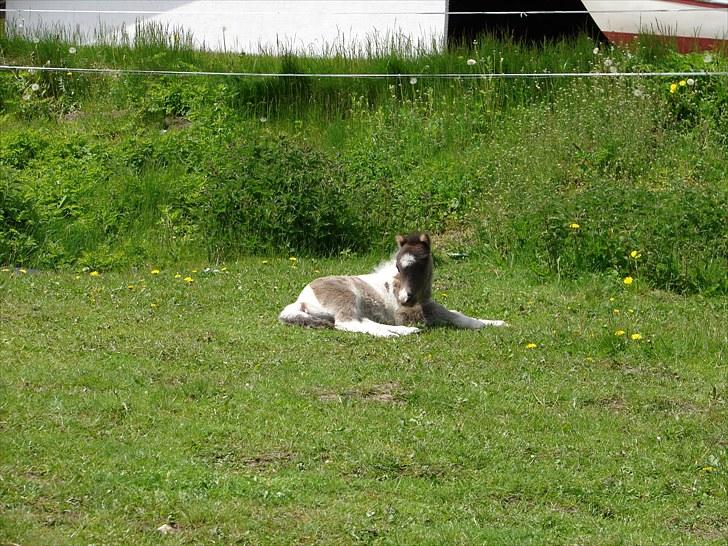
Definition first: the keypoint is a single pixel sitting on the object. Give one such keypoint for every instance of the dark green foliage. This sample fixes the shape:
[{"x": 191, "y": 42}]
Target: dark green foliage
[{"x": 275, "y": 194}]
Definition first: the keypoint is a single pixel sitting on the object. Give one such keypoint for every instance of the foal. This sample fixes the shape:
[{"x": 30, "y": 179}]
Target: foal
[{"x": 384, "y": 303}]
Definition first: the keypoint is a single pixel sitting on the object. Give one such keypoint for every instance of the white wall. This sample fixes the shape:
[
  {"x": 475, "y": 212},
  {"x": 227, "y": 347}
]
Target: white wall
[{"x": 248, "y": 25}]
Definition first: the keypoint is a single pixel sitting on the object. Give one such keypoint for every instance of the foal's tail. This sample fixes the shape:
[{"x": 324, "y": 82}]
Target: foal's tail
[{"x": 296, "y": 313}]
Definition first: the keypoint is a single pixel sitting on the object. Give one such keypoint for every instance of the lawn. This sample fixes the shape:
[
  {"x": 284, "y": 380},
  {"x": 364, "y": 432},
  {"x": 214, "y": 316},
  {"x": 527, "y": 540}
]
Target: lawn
[{"x": 132, "y": 399}]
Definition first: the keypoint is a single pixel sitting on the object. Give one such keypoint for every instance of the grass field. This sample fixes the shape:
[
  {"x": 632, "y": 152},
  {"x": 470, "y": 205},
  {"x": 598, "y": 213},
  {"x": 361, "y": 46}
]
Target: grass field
[{"x": 135, "y": 399}]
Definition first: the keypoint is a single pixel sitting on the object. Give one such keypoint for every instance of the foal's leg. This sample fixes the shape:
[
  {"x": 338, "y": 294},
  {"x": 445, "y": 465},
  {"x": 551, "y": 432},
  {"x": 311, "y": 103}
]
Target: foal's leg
[
  {"x": 437, "y": 314},
  {"x": 367, "y": 326}
]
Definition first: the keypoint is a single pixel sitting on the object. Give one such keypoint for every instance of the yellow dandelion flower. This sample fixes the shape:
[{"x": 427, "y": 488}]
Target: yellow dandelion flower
[
  {"x": 682, "y": 83},
  {"x": 194, "y": 271},
  {"x": 23, "y": 271},
  {"x": 5, "y": 269},
  {"x": 636, "y": 337},
  {"x": 531, "y": 346},
  {"x": 619, "y": 333},
  {"x": 265, "y": 262},
  {"x": 293, "y": 259},
  {"x": 635, "y": 255},
  {"x": 154, "y": 272},
  {"x": 628, "y": 280},
  {"x": 708, "y": 469},
  {"x": 574, "y": 225},
  {"x": 94, "y": 274},
  {"x": 153, "y": 305},
  {"x": 615, "y": 311},
  {"x": 189, "y": 280},
  {"x": 673, "y": 87},
  {"x": 178, "y": 276},
  {"x": 130, "y": 286}
]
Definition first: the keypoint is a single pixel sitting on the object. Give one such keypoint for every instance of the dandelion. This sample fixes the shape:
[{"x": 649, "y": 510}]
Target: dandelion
[
  {"x": 154, "y": 272},
  {"x": 94, "y": 274},
  {"x": 26, "y": 96},
  {"x": 708, "y": 469},
  {"x": 636, "y": 337},
  {"x": 471, "y": 62},
  {"x": 35, "y": 87},
  {"x": 608, "y": 62},
  {"x": 635, "y": 255},
  {"x": 615, "y": 311},
  {"x": 293, "y": 260},
  {"x": 638, "y": 92},
  {"x": 707, "y": 58},
  {"x": 413, "y": 81},
  {"x": 178, "y": 276},
  {"x": 690, "y": 82},
  {"x": 595, "y": 51},
  {"x": 574, "y": 226},
  {"x": 130, "y": 286},
  {"x": 531, "y": 346},
  {"x": 23, "y": 271},
  {"x": 673, "y": 87},
  {"x": 683, "y": 83},
  {"x": 619, "y": 333},
  {"x": 628, "y": 280},
  {"x": 265, "y": 262},
  {"x": 264, "y": 120},
  {"x": 189, "y": 280},
  {"x": 5, "y": 269},
  {"x": 613, "y": 69},
  {"x": 72, "y": 50}
]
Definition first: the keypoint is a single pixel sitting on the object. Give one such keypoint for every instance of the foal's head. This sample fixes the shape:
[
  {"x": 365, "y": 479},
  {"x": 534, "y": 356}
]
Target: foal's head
[{"x": 414, "y": 264}]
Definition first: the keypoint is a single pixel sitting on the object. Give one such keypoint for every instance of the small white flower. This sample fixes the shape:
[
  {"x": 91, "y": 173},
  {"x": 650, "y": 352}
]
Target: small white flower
[
  {"x": 708, "y": 58},
  {"x": 72, "y": 50},
  {"x": 690, "y": 82},
  {"x": 471, "y": 62},
  {"x": 34, "y": 87},
  {"x": 413, "y": 81}
]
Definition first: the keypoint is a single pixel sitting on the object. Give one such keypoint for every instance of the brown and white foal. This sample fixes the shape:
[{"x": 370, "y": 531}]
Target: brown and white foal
[{"x": 384, "y": 303}]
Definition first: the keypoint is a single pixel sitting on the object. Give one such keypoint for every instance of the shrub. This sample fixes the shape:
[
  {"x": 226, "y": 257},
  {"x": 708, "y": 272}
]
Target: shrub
[{"x": 275, "y": 194}]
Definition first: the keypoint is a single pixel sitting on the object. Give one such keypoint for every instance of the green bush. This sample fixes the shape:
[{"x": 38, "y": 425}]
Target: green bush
[
  {"x": 18, "y": 221},
  {"x": 274, "y": 195}
]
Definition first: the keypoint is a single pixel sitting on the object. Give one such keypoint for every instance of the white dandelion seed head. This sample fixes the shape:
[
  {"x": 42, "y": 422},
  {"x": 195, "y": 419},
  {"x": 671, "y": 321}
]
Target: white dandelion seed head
[
  {"x": 34, "y": 87},
  {"x": 26, "y": 96},
  {"x": 471, "y": 62},
  {"x": 690, "y": 82},
  {"x": 595, "y": 51},
  {"x": 707, "y": 58},
  {"x": 72, "y": 50},
  {"x": 413, "y": 81},
  {"x": 608, "y": 62},
  {"x": 264, "y": 120},
  {"x": 638, "y": 92},
  {"x": 613, "y": 69}
]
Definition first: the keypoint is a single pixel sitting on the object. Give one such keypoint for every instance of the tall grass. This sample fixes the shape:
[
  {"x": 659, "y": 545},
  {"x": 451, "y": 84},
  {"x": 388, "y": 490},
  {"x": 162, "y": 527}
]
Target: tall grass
[{"x": 107, "y": 171}]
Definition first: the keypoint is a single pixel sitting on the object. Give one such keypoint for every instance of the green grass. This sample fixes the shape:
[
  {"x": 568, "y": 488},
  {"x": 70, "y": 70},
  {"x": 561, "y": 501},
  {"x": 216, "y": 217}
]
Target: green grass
[{"x": 130, "y": 400}]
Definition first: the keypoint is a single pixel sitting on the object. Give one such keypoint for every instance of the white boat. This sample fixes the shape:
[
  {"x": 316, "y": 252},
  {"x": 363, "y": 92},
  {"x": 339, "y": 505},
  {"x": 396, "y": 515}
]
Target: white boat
[{"x": 691, "y": 24}]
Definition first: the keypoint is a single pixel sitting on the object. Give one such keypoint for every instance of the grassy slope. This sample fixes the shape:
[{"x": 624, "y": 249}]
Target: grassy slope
[{"x": 131, "y": 399}]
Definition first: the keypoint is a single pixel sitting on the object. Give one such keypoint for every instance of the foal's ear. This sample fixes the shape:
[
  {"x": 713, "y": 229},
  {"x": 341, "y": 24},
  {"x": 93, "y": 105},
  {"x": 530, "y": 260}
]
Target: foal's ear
[
  {"x": 424, "y": 238},
  {"x": 400, "y": 240}
]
